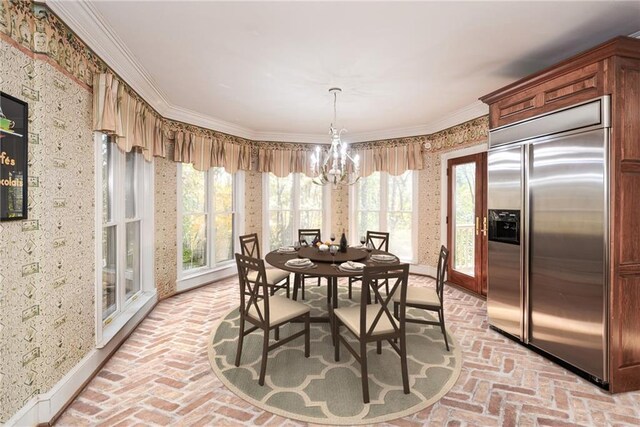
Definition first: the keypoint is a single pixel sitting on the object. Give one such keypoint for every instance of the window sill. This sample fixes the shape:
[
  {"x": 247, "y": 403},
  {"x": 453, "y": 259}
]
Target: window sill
[
  {"x": 203, "y": 277},
  {"x": 132, "y": 309}
]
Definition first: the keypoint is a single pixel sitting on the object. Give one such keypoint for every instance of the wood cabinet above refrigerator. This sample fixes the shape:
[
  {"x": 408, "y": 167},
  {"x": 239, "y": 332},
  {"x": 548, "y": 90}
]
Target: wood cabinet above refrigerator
[{"x": 612, "y": 68}]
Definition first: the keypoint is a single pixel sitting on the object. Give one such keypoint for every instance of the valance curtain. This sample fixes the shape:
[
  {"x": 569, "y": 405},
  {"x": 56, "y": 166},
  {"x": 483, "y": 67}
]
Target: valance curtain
[
  {"x": 131, "y": 123},
  {"x": 206, "y": 152},
  {"x": 388, "y": 157},
  {"x": 283, "y": 161}
]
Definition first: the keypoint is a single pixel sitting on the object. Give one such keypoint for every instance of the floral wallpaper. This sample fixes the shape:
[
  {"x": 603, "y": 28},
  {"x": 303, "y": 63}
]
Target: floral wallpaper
[
  {"x": 253, "y": 203},
  {"x": 166, "y": 218},
  {"x": 47, "y": 314}
]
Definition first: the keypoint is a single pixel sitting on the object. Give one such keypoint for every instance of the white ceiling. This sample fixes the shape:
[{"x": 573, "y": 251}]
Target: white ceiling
[{"x": 262, "y": 69}]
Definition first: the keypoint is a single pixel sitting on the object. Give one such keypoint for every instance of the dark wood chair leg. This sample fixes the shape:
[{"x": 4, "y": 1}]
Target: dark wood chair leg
[
  {"x": 288, "y": 286},
  {"x": 276, "y": 333},
  {"x": 319, "y": 279},
  {"x": 265, "y": 355},
  {"x": 350, "y": 285},
  {"x": 396, "y": 309},
  {"x": 303, "y": 282},
  {"x": 403, "y": 362},
  {"x": 364, "y": 372},
  {"x": 442, "y": 327},
  {"x": 379, "y": 347},
  {"x": 307, "y": 335},
  {"x": 240, "y": 340}
]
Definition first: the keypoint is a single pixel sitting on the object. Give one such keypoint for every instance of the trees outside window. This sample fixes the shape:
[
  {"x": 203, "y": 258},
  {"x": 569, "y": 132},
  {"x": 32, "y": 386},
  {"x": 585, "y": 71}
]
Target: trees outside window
[
  {"x": 291, "y": 203},
  {"x": 383, "y": 202},
  {"x": 207, "y": 217}
]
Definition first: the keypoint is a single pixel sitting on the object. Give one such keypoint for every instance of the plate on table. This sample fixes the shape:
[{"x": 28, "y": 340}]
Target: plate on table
[
  {"x": 383, "y": 258},
  {"x": 299, "y": 263},
  {"x": 286, "y": 250},
  {"x": 352, "y": 267}
]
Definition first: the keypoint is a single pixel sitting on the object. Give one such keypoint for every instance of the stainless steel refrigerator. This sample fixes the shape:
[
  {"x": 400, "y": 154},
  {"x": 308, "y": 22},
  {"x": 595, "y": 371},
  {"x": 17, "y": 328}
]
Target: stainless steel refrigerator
[{"x": 548, "y": 234}]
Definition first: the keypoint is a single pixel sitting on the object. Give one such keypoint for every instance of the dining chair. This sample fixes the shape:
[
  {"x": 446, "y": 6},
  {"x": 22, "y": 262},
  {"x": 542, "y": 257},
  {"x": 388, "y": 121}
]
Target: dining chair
[
  {"x": 429, "y": 299},
  {"x": 307, "y": 235},
  {"x": 375, "y": 322},
  {"x": 380, "y": 241},
  {"x": 265, "y": 311},
  {"x": 276, "y": 278}
]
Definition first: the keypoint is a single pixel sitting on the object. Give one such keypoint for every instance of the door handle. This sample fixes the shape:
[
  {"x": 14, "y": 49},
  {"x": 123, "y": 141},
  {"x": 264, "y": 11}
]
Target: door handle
[
  {"x": 477, "y": 225},
  {"x": 484, "y": 226}
]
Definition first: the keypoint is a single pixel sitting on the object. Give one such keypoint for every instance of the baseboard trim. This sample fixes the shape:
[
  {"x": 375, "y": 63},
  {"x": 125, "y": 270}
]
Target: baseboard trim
[{"x": 46, "y": 408}]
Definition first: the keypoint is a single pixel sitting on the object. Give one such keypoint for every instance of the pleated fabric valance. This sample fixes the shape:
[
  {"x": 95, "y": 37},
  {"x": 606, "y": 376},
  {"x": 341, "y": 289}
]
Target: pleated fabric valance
[
  {"x": 284, "y": 159},
  {"x": 131, "y": 122},
  {"x": 123, "y": 116},
  {"x": 206, "y": 152},
  {"x": 386, "y": 156}
]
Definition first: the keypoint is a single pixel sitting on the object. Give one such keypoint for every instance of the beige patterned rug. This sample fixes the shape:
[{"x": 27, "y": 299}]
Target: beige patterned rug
[{"x": 320, "y": 390}]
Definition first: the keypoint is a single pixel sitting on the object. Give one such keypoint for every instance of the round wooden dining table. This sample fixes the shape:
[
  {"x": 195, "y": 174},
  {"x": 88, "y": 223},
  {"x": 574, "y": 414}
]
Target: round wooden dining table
[{"x": 323, "y": 268}]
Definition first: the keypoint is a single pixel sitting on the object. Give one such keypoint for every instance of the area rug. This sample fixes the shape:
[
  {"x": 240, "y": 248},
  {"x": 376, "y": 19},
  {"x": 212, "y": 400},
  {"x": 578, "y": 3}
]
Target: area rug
[{"x": 320, "y": 390}]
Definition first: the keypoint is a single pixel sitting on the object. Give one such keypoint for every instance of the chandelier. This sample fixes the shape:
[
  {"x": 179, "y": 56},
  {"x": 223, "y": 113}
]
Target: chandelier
[{"x": 334, "y": 168}]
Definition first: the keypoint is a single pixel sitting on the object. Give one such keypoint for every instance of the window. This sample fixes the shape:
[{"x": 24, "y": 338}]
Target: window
[
  {"x": 291, "y": 203},
  {"x": 124, "y": 181},
  {"x": 208, "y": 217},
  {"x": 383, "y": 202}
]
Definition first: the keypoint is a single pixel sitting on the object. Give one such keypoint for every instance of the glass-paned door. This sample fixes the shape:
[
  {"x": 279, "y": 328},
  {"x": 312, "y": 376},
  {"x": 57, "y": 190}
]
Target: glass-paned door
[{"x": 466, "y": 221}]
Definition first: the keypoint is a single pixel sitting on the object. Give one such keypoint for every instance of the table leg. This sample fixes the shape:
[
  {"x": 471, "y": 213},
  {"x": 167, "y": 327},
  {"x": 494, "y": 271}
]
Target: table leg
[
  {"x": 296, "y": 285},
  {"x": 334, "y": 285}
]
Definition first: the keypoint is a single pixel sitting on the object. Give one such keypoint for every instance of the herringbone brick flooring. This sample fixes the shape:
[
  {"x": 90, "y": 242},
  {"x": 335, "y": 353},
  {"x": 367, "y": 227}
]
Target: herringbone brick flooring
[{"x": 161, "y": 376}]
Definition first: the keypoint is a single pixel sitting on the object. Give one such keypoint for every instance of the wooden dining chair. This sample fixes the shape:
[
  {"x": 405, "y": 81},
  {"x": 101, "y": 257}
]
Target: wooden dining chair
[
  {"x": 265, "y": 311},
  {"x": 375, "y": 322},
  {"x": 276, "y": 278},
  {"x": 380, "y": 241},
  {"x": 429, "y": 299},
  {"x": 307, "y": 235}
]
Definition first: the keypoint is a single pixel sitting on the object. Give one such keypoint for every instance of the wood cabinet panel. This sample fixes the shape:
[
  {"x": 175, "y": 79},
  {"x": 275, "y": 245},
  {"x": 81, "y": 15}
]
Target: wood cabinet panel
[
  {"x": 571, "y": 88},
  {"x": 625, "y": 339},
  {"x": 629, "y": 80},
  {"x": 628, "y": 219}
]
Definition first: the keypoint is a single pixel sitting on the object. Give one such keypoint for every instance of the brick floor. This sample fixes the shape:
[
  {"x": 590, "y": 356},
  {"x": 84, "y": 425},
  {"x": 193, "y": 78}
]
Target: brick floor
[{"x": 161, "y": 376}]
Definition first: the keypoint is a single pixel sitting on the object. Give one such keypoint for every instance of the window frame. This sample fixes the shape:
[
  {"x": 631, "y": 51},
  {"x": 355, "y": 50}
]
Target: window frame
[
  {"x": 383, "y": 217},
  {"x": 237, "y": 179},
  {"x": 126, "y": 306},
  {"x": 325, "y": 229}
]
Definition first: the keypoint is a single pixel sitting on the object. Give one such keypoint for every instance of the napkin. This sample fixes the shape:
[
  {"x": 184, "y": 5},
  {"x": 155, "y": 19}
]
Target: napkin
[
  {"x": 350, "y": 265},
  {"x": 286, "y": 249},
  {"x": 298, "y": 262}
]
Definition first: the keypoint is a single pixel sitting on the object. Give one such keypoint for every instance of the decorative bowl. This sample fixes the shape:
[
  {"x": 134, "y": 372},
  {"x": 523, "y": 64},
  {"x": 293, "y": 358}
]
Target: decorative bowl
[{"x": 323, "y": 248}]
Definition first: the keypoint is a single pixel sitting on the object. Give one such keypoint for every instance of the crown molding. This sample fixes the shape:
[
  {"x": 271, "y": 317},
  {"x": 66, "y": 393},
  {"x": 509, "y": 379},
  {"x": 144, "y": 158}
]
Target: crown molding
[
  {"x": 84, "y": 20},
  {"x": 462, "y": 115}
]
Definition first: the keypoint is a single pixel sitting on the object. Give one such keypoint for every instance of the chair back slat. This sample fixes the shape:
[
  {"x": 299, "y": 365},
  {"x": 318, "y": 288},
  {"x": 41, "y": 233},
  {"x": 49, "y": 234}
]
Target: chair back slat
[
  {"x": 443, "y": 263},
  {"x": 379, "y": 240},
  {"x": 308, "y": 234},
  {"x": 250, "y": 246},
  {"x": 253, "y": 292},
  {"x": 374, "y": 278}
]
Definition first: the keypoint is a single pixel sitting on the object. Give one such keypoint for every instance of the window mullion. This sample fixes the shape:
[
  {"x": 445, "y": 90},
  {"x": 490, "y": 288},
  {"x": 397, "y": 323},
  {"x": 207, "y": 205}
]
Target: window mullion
[
  {"x": 120, "y": 227},
  {"x": 209, "y": 218},
  {"x": 384, "y": 200}
]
